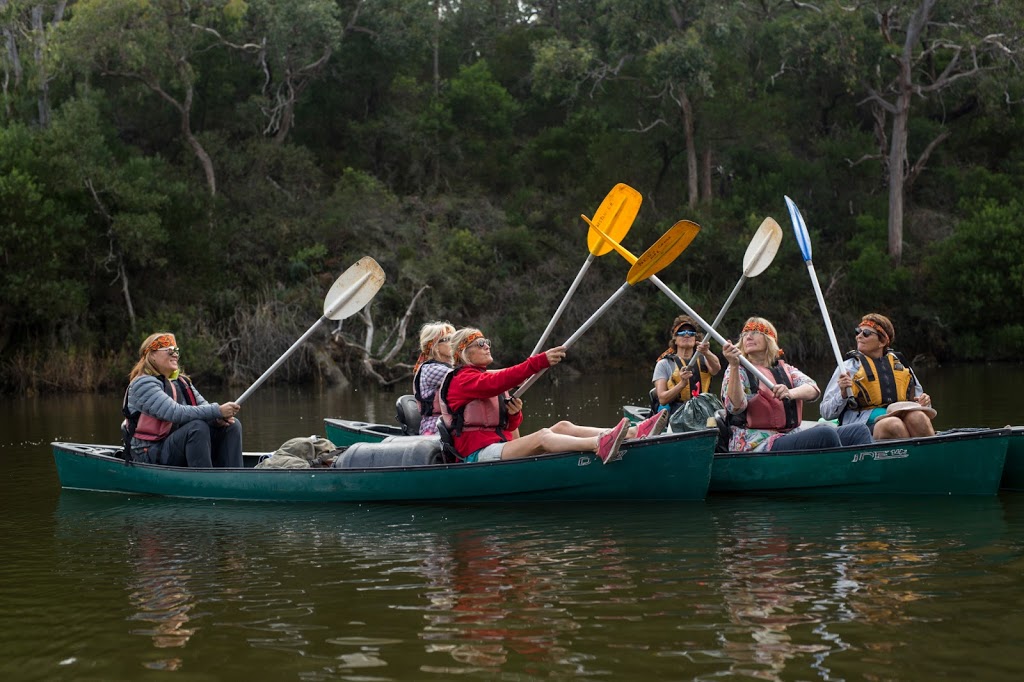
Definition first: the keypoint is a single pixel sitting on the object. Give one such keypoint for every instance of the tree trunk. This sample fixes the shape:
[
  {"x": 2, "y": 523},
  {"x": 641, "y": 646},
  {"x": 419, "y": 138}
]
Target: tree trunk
[
  {"x": 691, "y": 148},
  {"x": 193, "y": 141},
  {"x": 705, "y": 178},
  {"x": 897, "y": 159},
  {"x": 39, "y": 38}
]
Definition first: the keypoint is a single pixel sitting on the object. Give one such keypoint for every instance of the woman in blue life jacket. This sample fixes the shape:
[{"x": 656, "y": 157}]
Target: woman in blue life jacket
[
  {"x": 674, "y": 381},
  {"x": 169, "y": 420},
  {"x": 434, "y": 362},
  {"x": 877, "y": 387},
  {"x": 763, "y": 419}
]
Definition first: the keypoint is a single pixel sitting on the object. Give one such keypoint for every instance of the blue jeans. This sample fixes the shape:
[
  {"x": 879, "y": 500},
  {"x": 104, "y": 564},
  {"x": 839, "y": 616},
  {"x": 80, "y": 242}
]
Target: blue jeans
[
  {"x": 824, "y": 436},
  {"x": 199, "y": 444}
]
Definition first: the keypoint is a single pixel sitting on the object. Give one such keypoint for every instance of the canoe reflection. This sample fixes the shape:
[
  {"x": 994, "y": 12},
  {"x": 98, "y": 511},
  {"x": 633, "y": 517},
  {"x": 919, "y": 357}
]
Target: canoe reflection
[
  {"x": 799, "y": 577},
  {"x": 762, "y": 588}
]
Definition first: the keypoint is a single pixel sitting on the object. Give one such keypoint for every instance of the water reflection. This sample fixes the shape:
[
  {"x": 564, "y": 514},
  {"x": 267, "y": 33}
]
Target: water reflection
[
  {"x": 749, "y": 588},
  {"x": 799, "y": 578}
]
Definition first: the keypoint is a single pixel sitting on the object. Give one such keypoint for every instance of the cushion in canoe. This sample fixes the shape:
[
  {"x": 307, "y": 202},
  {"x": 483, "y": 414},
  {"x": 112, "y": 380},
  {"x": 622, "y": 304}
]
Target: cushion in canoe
[{"x": 393, "y": 451}]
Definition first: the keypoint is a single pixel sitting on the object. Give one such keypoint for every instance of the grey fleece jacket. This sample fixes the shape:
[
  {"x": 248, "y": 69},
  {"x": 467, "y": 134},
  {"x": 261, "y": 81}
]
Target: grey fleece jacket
[{"x": 146, "y": 394}]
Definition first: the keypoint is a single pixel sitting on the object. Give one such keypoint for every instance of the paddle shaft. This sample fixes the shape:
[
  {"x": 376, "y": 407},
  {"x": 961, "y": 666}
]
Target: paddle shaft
[
  {"x": 825, "y": 315},
  {"x": 342, "y": 300},
  {"x": 709, "y": 329},
  {"x": 576, "y": 335},
  {"x": 720, "y": 315},
  {"x": 562, "y": 306}
]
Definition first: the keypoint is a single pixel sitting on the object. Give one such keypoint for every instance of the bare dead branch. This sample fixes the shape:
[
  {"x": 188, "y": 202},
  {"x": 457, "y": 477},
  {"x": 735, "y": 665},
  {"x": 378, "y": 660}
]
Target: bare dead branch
[{"x": 922, "y": 160}]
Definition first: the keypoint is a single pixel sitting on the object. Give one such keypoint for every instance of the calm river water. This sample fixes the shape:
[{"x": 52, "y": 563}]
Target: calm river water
[{"x": 110, "y": 587}]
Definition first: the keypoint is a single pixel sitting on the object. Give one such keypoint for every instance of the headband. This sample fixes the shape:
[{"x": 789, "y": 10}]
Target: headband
[
  {"x": 877, "y": 327},
  {"x": 468, "y": 340},
  {"x": 162, "y": 341},
  {"x": 428, "y": 349},
  {"x": 760, "y": 327}
]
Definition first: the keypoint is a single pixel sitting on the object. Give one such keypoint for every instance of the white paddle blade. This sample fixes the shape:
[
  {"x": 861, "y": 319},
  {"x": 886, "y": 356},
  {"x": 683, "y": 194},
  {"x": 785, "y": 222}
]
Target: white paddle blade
[
  {"x": 354, "y": 289},
  {"x": 762, "y": 249}
]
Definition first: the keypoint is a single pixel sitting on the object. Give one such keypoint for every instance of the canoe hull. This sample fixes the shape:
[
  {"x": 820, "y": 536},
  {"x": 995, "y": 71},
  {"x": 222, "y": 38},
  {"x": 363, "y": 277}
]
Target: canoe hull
[
  {"x": 345, "y": 432},
  {"x": 675, "y": 467},
  {"x": 966, "y": 463},
  {"x": 1013, "y": 472}
]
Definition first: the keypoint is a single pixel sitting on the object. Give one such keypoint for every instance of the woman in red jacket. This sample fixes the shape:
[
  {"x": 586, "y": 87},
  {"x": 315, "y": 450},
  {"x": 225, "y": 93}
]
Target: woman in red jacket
[{"x": 481, "y": 417}]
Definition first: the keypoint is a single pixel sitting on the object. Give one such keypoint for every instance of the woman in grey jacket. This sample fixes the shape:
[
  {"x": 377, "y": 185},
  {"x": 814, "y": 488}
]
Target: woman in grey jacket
[{"x": 169, "y": 420}]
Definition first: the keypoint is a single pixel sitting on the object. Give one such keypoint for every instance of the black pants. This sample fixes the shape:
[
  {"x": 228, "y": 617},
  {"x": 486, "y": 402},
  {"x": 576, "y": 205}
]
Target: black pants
[
  {"x": 824, "y": 436},
  {"x": 198, "y": 444}
]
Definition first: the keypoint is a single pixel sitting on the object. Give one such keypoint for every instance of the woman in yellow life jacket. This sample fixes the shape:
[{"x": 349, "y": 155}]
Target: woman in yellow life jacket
[
  {"x": 674, "y": 381},
  {"x": 762, "y": 418},
  {"x": 883, "y": 390}
]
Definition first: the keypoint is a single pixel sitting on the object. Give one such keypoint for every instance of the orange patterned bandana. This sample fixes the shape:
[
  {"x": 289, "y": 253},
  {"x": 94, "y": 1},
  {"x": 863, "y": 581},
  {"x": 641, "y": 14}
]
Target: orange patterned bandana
[
  {"x": 468, "y": 340},
  {"x": 877, "y": 327},
  {"x": 760, "y": 327},
  {"x": 163, "y": 341}
]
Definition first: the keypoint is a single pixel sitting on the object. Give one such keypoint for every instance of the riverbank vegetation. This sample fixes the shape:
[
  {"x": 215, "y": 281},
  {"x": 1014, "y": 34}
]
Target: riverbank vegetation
[{"x": 210, "y": 168}]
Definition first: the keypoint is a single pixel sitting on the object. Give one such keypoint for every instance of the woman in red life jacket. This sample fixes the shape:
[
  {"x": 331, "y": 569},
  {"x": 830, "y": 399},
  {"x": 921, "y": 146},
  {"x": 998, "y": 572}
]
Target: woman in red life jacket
[
  {"x": 168, "y": 420},
  {"x": 770, "y": 419},
  {"x": 482, "y": 419},
  {"x": 434, "y": 362}
]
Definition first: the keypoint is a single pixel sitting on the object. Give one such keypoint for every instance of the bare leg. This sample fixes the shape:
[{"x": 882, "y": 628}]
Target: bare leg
[
  {"x": 888, "y": 428},
  {"x": 918, "y": 424},
  {"x": 548, "y": 440},
  {"x": 570, "y": 429}
]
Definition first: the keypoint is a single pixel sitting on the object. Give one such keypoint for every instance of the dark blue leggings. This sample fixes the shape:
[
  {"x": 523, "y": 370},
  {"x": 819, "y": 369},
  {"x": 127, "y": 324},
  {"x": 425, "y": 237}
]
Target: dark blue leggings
[
  {"x": 198, "y": 444},
  {"x": 824, "y": 436}
]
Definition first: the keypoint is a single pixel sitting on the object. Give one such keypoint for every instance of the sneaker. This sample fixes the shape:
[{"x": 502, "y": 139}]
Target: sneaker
[
  {"x": 608, "y": 444},
  {"x": 652, "y": 426}
]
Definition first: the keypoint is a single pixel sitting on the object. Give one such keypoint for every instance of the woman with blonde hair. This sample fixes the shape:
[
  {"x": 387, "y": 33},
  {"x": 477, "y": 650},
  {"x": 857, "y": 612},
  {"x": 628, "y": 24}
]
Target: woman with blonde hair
[
  {"x": 168, "y": 421},
  {"x": 434, "y": 362},
  {"x": 764, "y": 419},
  {"x": 482, "y": 419}
]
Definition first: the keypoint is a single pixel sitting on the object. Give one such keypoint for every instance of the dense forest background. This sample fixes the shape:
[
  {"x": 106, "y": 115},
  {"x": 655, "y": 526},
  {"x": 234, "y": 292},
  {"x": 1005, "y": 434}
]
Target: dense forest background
[{"x": 211, "y": 166}]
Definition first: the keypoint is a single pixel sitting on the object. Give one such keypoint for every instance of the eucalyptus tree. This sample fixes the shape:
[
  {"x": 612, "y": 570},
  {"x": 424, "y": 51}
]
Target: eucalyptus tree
[
  {"x": 911, "y": 56},
  {"x": 156, "y": 44},
  {"x": 28, "y": 24}
]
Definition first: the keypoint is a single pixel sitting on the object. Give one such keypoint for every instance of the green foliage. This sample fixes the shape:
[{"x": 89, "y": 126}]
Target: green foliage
[
  {"x": 977, "y": 274},
  {"x": 458, "y": 143}
]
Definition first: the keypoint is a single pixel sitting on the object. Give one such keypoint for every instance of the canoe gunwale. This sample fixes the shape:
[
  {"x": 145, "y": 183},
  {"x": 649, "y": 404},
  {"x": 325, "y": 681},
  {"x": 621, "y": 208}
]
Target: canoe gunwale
[{"x": 888, "y": 444}]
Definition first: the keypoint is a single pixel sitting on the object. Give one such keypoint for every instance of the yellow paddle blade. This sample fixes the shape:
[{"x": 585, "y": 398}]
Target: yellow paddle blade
[
  {"x": 614, "y": 217},
  {"x": 605, "y": 239},
  {"x": 663, "y": 251}
]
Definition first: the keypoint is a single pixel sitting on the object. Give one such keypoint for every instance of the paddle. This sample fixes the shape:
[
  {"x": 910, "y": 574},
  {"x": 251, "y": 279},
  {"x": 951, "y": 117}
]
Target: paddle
[
  {"x": 760, "y": 254},
  {"x": 615, "y": 215},
  {"x": 689, "y": 311},
  {"x": 804, "y": 240},
  {"x": 349, "y": 294},
  {"x": 653, "y": 260}
]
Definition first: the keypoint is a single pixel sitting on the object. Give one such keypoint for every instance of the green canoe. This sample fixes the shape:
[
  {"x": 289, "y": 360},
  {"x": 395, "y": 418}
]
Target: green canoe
[
  {"x": 668, "y": 467},
  {"x": 346, "y": 432},
  {"x": 1013, "y": 472},
  {"x": 957, "y": 462}
]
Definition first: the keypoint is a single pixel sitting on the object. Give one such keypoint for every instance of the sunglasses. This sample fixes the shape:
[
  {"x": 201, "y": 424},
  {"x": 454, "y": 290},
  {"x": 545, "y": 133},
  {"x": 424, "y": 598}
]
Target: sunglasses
[
  {"x": 865, "y": 332},
  {"x": 686, "y": 332},
  {"x": 480, "y": 343},
  {"x": 170, "y": 350}
]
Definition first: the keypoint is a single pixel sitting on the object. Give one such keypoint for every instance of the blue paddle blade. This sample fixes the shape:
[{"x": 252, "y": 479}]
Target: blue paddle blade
[{"x": 800, "y": 229}]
